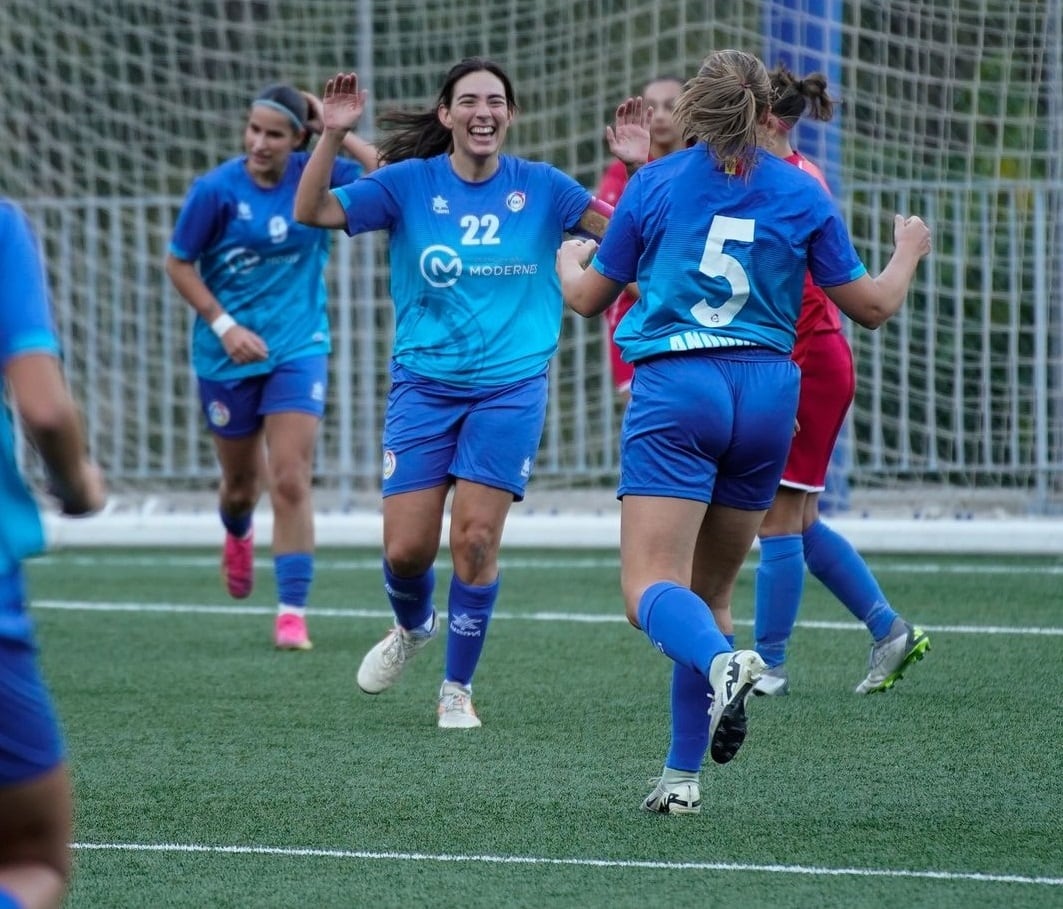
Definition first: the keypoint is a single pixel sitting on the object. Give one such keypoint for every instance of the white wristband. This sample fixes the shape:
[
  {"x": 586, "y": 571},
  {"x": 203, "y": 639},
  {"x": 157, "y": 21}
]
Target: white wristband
[{"x": 222, "y": 324}]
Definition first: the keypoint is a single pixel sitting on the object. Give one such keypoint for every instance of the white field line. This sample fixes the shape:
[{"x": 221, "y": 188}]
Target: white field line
[
  {"x": 367, "y": 855},
  {"x": 545, "y": 563},
  {"x": 555, "y": 617}
]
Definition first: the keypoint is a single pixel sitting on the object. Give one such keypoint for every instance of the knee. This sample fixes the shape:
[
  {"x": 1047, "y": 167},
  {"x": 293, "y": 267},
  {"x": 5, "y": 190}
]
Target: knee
[
  {"x": 240, "y": 490},
  {"x": 290, "y": 485},
  {"x": 409, "y": 558},
  {"x": 475, "y": 552}
]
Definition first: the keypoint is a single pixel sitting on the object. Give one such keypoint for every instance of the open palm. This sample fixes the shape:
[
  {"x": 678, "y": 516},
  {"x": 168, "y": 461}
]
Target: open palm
[
  {"x": 629, "y": 136},
  {"x": 343, "y": 102}
]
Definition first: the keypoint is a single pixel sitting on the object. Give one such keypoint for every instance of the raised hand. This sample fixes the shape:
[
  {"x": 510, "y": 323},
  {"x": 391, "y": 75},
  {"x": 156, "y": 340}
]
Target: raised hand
[
  {"x": 343, "y": 102},
  {"x": 911, "y": 234},
  {"x": 629, "y": 136}
]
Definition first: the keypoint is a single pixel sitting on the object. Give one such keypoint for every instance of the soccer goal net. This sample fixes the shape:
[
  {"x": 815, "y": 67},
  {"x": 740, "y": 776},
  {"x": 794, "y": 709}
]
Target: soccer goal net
[{"x": 951, "y": 109}]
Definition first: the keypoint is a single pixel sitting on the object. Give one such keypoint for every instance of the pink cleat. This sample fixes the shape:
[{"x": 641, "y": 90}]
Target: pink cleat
[
  {"x": 289, "y": 632},
  {"x": 238, "y": 564}
]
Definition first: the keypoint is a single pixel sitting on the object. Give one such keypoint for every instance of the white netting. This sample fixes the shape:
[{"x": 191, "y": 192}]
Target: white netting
[{"x": 951, "y": 108}]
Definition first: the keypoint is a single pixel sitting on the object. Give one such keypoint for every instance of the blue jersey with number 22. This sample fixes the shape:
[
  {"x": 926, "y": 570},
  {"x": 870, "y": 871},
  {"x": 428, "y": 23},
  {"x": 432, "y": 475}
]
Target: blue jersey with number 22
[
  {"x": 720, "y": 259},
  {"x": 477, "y": 298}
]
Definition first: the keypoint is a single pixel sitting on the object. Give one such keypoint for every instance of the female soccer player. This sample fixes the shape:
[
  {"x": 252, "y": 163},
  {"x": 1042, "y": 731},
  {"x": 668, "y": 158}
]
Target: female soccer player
[
  {"x": 792, "y": 533},
  {"x": 719, "y": 237},
  {"x": 473, "y": 233},
  {"x": 36, "y": 810},
  {"x": 261, "y": 338},
  {"x": 659, "y": 95}
]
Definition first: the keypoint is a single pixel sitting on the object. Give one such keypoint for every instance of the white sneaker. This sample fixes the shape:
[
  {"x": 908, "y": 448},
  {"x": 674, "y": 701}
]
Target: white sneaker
[
  {"x": 774, "y": 682},
  {"x": 892, "y": 655},
  {"x": 674, "y": 796},
  {"x": 732, "y": 676},
  {"x": 455, "y": 708},
  {"x": 383, "y": 665}
]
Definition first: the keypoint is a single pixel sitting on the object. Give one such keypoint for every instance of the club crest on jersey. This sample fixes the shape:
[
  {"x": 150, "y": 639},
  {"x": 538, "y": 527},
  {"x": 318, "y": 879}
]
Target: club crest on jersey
[
  {"x": 439, "y": 205},
  {"x": 243, "y": 211},
  {"x": 218, "y": 414},
  {"x": 389, "y": 464},
  {"x": 278, "y": 229},
  {"x": 515, "y": 200}
]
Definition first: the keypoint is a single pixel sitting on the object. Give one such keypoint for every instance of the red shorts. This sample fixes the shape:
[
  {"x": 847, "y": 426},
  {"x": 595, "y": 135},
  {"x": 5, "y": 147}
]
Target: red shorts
[
  {"x": 828, "y": 384},
  {"x": 622, "y": 372}
]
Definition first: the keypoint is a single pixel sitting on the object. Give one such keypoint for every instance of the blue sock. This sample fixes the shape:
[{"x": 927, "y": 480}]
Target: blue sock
[
  {"x": 294, "y": 572},
  {"x": 410, "y": 598},
  {"x": 680, "y": 625},
  {"x": 8, "y": 901},
  {"x": 832, "y": 559},
  {"x": 469, "y": 612},
  {"x": 777, "y": 589},
  {"x": 237, "y": 525},
  {"x": 690, "y": 720}
]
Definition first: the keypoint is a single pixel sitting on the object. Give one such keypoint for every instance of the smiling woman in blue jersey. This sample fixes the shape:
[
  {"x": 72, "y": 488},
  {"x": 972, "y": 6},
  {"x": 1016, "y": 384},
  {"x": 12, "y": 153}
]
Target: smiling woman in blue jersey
[
  {"x": 255, "y": 278},
  {"x": 477, "y": 317}
]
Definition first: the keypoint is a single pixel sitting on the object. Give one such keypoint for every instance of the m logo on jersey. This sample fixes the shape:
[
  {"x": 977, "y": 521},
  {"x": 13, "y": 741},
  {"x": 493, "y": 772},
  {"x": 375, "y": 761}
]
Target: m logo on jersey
[
  {"x": 439, "y": 205},
  {"x": 440, "y": 266},
  {"x": 515, "y": 200},
  {"x": 243, "y": 212}
]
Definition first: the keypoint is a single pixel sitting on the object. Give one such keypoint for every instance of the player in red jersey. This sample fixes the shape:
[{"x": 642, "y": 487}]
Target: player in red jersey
[
  {"x": 792, "y": 534},
  {"x": 660, "y": 94}
]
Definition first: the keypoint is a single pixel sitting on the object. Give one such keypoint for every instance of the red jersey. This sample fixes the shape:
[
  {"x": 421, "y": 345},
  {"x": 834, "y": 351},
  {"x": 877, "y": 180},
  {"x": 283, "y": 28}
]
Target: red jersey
[
  {"x": 818, "y": 312},
  {"x": 827, "y": 379},
  {"x": 613, "y": 182}
]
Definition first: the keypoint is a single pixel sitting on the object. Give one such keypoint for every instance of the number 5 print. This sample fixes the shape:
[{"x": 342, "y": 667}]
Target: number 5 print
[{"x": 717, "y": 264}]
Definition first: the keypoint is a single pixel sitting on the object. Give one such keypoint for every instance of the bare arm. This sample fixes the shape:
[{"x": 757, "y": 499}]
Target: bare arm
[
  {"x": 585, "y": 290},
  {"x": 342, "y": 105},
  {"x": 595, "y": 218},
  {"x": 52, "y": 422},
  {"x": 871, "y": 301},
  {"x": 365, "y": 153},
  {"x": 241, "y": 344}
]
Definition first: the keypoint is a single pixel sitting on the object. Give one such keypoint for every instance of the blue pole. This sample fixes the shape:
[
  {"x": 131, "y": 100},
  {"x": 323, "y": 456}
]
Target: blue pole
[{"x": 806, "y": 37}]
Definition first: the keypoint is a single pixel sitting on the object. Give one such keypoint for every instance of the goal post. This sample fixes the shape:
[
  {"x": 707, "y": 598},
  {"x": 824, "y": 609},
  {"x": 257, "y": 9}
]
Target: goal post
[{"x": 950, "y": 109}]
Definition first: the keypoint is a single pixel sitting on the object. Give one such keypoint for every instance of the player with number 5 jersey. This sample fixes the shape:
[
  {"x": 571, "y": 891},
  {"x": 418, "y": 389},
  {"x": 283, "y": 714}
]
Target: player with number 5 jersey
[
  {"x": 473, "y": 234},
  {"x": 719, "y": 237}
]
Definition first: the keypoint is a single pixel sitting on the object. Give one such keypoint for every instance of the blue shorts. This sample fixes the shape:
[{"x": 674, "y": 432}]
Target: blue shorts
[
  {"x": 30, "y": 740},
  {"x": 713, "y": 426},
  {"x": 236, "y": 409},
  {"x": 435, "y": 432}
]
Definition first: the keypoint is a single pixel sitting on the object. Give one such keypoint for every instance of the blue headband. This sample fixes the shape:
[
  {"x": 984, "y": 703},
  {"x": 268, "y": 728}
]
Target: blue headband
[{"x": 267, "y": 102}]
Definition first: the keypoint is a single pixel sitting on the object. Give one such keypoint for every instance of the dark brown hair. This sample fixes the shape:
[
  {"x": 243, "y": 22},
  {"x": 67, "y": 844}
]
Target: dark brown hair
[
  {"x": 795, "y": 97},
  {"x": 421, "y": 135}
]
